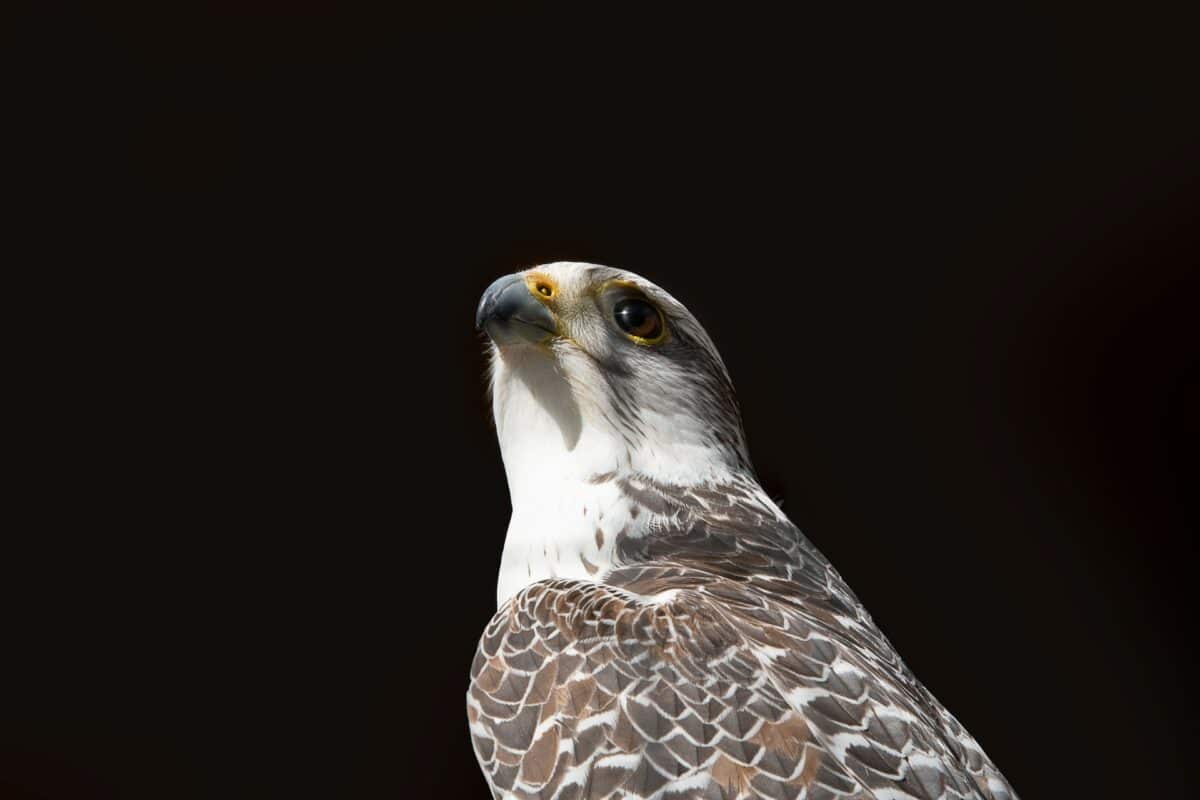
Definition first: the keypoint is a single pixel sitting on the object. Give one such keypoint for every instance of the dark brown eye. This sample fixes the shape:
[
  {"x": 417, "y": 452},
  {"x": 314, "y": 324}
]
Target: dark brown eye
[{"x": 638, "y": 318}]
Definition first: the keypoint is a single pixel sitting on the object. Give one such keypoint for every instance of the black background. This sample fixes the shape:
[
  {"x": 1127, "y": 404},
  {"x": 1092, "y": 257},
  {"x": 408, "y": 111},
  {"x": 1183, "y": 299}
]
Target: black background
[{"x": 949, "y": 258}]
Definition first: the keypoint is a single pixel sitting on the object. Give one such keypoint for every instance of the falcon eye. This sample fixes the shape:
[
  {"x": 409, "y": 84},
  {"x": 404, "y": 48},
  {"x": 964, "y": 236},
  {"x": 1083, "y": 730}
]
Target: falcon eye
[
  {"x": 639, "y": 319},
  {"x": 544, "y": 289}
]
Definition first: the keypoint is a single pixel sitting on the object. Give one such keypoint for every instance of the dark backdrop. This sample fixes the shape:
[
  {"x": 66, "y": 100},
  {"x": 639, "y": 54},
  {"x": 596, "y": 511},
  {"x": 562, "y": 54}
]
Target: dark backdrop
[{"x": 949, "y": 258}]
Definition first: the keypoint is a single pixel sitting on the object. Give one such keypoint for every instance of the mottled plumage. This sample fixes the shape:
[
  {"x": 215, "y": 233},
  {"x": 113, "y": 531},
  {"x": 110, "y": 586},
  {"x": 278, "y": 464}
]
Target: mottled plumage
[{"x": 701, "y": 647}]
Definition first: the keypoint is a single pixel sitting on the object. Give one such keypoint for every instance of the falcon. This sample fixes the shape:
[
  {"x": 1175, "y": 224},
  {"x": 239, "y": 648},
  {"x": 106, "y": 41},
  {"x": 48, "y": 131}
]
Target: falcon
[{"x": 664, "y": 631}]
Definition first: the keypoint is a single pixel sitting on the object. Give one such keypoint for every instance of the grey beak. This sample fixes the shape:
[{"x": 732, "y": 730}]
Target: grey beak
[{"x": 510, "y": 313}]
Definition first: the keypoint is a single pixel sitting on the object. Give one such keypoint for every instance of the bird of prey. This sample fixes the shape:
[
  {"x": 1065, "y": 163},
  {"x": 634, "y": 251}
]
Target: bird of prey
[{"x": 664, "y": 631}]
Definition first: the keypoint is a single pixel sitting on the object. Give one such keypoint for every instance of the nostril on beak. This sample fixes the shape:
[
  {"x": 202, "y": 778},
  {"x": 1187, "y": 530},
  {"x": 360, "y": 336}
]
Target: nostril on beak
[{"x": 512, "y": 314}]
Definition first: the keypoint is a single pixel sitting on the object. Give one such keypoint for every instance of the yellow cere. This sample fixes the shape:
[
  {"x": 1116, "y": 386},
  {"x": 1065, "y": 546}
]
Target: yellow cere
[{"x": 541, "y": 286}]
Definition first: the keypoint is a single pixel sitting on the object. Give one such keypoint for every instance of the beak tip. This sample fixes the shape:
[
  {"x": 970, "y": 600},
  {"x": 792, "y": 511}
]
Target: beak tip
[{"x": 509, "y": 310}]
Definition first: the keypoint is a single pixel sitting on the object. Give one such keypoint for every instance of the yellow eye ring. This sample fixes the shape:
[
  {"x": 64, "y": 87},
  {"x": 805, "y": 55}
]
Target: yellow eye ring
[{"x": 544, "y": 289}]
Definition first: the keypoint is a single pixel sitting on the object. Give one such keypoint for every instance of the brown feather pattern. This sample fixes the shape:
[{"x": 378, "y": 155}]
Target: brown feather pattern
[{"x": 724, "y": 659}]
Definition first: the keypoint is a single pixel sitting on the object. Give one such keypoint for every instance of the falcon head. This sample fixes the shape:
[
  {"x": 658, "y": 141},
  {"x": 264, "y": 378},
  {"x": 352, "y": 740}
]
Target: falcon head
[
  {"x": 609, "y": 398},
  {"x": 599, "y": 371}
]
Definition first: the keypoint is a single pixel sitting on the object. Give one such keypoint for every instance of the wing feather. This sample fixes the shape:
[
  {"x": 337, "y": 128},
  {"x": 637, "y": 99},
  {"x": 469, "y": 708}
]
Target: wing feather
[
  {"x": 722, "y": 691},
  {"x": 727, "y": 660}
]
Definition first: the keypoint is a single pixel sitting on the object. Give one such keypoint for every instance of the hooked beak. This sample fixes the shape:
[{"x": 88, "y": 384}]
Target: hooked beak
[{"x": 511, "y": 314}]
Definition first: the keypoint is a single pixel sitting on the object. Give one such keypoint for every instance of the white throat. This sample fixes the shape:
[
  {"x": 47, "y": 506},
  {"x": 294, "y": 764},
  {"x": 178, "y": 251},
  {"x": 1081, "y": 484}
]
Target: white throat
[
  {"x": 564, "y": 523},
  {"x": 557, "y": 439}
]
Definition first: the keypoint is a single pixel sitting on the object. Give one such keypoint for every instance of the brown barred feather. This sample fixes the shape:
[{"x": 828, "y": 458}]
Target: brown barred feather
[{"x": 727, "y": 661}]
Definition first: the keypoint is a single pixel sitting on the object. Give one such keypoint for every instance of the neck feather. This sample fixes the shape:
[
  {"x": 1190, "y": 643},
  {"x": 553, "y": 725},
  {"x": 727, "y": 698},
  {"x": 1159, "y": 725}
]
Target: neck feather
[{"x": 566, "y": 464}]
